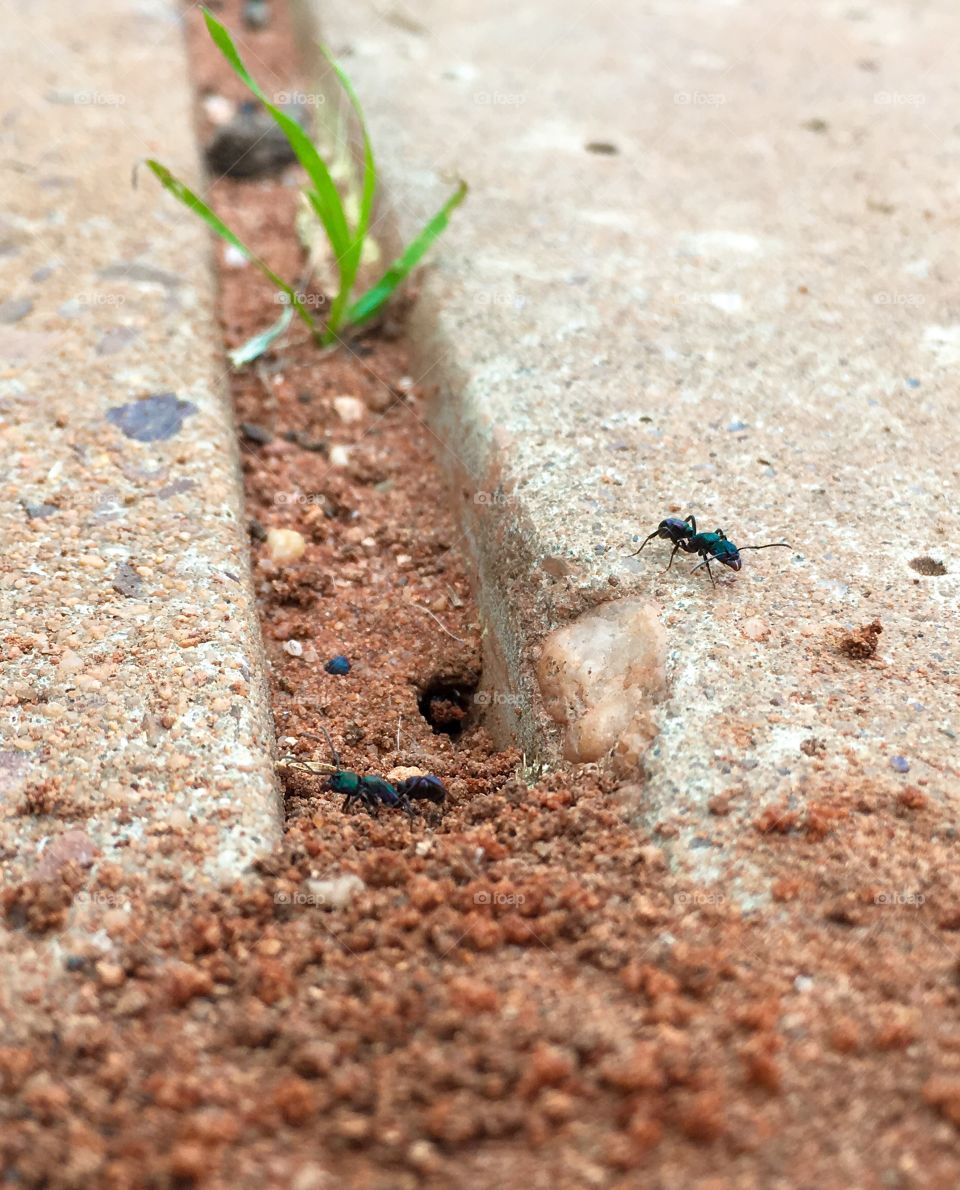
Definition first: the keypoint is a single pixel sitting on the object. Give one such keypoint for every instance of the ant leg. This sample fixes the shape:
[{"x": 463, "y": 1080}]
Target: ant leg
[
  {"x": 692, "y": 522},
  {"x": 705, "y": 562},
  {"x": 672, "y": 556}
]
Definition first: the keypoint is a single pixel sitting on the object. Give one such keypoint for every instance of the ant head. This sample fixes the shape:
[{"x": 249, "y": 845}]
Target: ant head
[{"x": 734, "y": 561}]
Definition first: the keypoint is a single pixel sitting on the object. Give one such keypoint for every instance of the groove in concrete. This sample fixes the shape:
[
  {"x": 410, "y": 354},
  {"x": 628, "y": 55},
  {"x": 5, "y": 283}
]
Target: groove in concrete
[{"x": 704, "y": 267}]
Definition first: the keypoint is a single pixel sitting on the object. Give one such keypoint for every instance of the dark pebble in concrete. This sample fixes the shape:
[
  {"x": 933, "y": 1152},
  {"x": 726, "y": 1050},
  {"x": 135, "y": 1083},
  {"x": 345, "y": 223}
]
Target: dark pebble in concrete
[
  {"x": 146, "y": 273},
  {"x": 115, "y": 339},
  {"x": 255, "y": 433},
  {"x": 37, "y": 512},
  {"x": 15, "y": 309},
  {"x": 127, "y": 582},
  {"x": 152, "y": 418}
]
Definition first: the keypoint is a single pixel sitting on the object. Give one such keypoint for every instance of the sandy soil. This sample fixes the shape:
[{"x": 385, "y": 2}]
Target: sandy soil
[{"x": 515, "y": 991}]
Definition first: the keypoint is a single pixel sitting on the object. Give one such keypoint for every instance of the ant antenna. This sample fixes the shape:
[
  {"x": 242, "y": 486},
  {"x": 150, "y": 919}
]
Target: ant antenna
[
  {"x": 769, "y": 546},
  {"x": 333, "y": 751},
  {"x": 326, "y": 736},
  {"x": 635, "y": 552}
]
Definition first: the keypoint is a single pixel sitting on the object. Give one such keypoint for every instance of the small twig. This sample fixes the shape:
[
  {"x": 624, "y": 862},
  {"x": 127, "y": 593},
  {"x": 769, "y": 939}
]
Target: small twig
[{"x": 440, "y": 623}]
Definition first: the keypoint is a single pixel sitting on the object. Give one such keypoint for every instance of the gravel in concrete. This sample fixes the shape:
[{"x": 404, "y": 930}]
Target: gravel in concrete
[
  {"x": 705, "y": 267},
  {"x": 136, "y": 726}
]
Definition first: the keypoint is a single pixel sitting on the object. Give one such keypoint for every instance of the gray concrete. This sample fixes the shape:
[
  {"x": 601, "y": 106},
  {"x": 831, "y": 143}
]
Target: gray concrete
[
  {"x": 136, "y": 724},
  {"x": 747, "y": 312}
]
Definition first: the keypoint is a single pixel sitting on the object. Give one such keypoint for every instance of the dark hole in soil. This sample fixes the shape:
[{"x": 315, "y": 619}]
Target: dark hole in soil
[
  {"x": 929, "y": 566},
  {"x": 446, "y": 705},
  {"x": 602, "y": 147}
]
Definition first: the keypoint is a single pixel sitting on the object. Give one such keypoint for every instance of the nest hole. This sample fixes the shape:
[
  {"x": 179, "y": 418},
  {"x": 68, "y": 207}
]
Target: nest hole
[{"x": 446, "y": 705}]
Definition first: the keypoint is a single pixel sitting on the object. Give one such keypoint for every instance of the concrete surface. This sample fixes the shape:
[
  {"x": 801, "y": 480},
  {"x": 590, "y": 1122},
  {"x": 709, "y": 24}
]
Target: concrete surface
[
  {"x": 136, "y": 725},
  {"x": 706, "y": 266}
]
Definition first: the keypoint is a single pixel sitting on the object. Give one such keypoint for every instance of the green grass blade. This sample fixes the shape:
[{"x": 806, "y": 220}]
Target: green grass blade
[
  {"x": 350, "y": 265},
  {"x": 194, "y": 203},
  {"x": 368, "y": 305},
  {"x": 326, "y": 198}
]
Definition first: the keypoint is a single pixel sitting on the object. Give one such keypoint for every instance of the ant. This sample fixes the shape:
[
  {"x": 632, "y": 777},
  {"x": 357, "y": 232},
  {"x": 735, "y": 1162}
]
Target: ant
[
  {"x": 371, "y": 791},
  {"x": 716, "y": 547}
]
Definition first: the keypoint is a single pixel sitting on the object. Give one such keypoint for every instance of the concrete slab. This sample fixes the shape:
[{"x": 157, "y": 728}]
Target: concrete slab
[
  {"x": 705, "y": 267},
  {"x": 136, "y": 727}
]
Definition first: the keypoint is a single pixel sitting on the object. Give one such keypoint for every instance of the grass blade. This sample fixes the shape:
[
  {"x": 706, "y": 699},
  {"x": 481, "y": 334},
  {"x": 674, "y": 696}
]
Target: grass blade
[
  {"x": 325, "y": 198},
  {"x": 194, "y": 203},
  {"x": 350, "y": 265},
  {"x": 368, "y": 305},
  {"x": 256, "y": 345}
]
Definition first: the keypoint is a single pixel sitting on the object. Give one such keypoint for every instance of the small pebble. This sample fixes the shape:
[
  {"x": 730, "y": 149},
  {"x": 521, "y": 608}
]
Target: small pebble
[
  {"x": 234, "y": 257},
  {"x": 255, "y": 433},
  {"x": 900, "y": 764},
  {"x": 293, "y": 647},
  {"x": 339, "y": 456},
  {"x": 218, "y": 109},
  {"x": 339, "y": 665},
  {"x": 335, "y": 893},
  {"x": 256, "y": 14},
  {"x": 348, "y": 409},
  {"x": 285, "y": 545}
]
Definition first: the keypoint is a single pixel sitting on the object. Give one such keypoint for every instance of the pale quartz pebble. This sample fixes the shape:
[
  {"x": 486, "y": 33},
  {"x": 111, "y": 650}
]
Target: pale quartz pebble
[
  {"x": 600, "y": 676},
  {"x": 285, "y": 545},
  {"x": 293, "y": 647},
  {"x": 70, "y": 661},
  {"x": 335, "y": 893},
  {"x": 349, "y": 409},
  {"x": 218, "y": 109},
  {"x": 233, "y": 258},
  {"x": 403, "y": 771},
  {"x": 754, "y": 628},
  {"x": 339, "y": 456}
]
